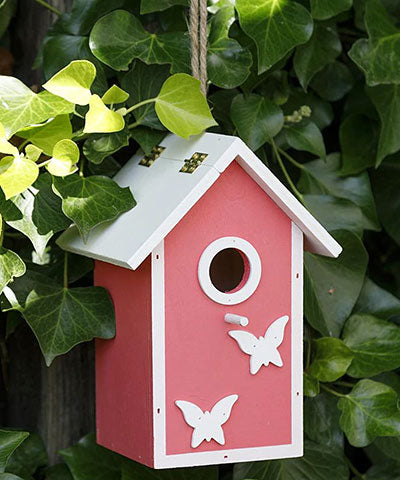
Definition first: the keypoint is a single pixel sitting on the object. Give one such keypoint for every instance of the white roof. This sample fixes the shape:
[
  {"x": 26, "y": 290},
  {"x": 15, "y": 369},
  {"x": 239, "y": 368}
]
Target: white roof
[{"x": 164, "y": 195}]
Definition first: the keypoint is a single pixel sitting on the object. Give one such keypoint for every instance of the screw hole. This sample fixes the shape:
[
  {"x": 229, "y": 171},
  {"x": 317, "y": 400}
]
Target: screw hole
[
  {"x": 297, "y": 275},
  {"x": 158, "y": 410},
  {"x": 157, "y": 257},
  {"x": 297, "y": 393},
  {"x": 225, "y": 456}
]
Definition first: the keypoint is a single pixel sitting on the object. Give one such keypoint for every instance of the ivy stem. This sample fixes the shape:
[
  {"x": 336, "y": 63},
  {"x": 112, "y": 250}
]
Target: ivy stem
[
  {"x": 333, "y": 392},
  {"x": 140, "y": 104},
  {"x": 49, "y": 7},
  {"x": 65, "y": 270},
  {"x": 285, "y": 172},
  {"x": 341, "y": 383},
  {"x": 354, "y": 470},
  {"x": 291, "y": 159},
  {"x": 1, "y": 230},
  {"x": 43, "y": 163},
  {"x": 81, "y": 166},
  {"x": 133, "y": 125},
  {"x": 22, "y": 145}
]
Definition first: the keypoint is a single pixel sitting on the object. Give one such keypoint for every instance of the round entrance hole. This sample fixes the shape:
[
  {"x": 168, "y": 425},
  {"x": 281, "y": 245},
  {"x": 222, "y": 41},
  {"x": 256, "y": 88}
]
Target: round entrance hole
[{"x": 228, "y": 270}]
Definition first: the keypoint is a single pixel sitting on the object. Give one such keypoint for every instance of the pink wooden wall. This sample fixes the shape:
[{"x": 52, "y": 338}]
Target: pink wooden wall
[{"x": 203, "y": 364}]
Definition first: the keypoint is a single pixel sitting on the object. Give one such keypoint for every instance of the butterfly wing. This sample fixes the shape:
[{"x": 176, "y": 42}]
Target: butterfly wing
[
  {"x": 247, "y": 341},
  {"x": 221, "y": 411},
  {"x": 273, "y": 338},
  {"x": 191, "y": 412}
]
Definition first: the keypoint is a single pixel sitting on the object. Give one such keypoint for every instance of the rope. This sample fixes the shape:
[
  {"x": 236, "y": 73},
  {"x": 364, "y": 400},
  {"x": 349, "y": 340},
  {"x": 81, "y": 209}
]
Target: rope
[{"x": 198, "y": 41}]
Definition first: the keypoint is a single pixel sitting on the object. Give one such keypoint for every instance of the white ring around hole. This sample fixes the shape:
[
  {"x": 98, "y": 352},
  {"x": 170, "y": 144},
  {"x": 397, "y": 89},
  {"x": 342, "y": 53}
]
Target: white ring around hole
[{"x": 253, "y": 279}]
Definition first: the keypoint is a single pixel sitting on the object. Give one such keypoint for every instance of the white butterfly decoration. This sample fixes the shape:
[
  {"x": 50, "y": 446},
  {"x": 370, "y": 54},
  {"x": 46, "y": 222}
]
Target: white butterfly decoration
[
  {"x": 263, "y": 350},
  {"x": 207, "y": 425}
]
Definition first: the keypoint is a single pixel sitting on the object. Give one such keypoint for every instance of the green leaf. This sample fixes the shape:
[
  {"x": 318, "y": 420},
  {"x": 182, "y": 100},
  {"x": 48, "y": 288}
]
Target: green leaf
[
  {"x": 9, "y": 476},
  {"x": 89, "y": 461},
  {"x": 115, "y": 95},
  {"x": 379, "y": 56},
  {"x": 47, "y": 213},
  {"x": 119, "y": 37},
  {"x": 7, "y": 11},
  {"x": 377, "y": 301},
  {"x": 73, "y": 82},
  {"x": 5, "y": 146},
  {"x": 99, "y": 146},
  {"x": 17, "y": 213},
  {"x": 306, "y": 136},
  {"x": 321, "y": 421},
  {"x": 359, "y": 143},
  {"x": 58, "y": 472},
  {"x": 9, "y": 441},
  {"x": 324, "y": 9},
  {"x": 331, "y": 360},
  {"x": 386, "y": 183},
  {"x": 92, "y": 200},
  {"x": 182, "y": 108},
  {"x": 389, "y": 446},
  {"x": 332, "y": 285},
  {"x": 375, "y": 344},
  {"x": 17, "y": 174},
  {"x": 147, "y": 138},
  {"x": 45, "y": 136},
  {"x": 318, "y": 463},
  {"x": 383, "y": 472},
  {"x": 149, "y": 6},
  {"x": 20, "y": 107},
  {"x": 143, "y": 82},
  {"x": 27, "y": 458},
  {"x": 323, "y": 177},
  {"x": 256, "y": 118},
  {"x": 386, "y": 99},
  {"x": 132, "y": 470},
  {"x": 276, "y": 26},
  {"x": 11, "y": 266},
  {"x": 322, "y": 49},
  {"x": 321, "y": 111},
  {"x": 64, "y": 159},
  {"x": 310, "y": 385},
  {"x": 62, "y": 317},
  {"x": 333, "y": 82},
  {"x": 100, "y": 119},
  {"x": 370, "y": 410}
]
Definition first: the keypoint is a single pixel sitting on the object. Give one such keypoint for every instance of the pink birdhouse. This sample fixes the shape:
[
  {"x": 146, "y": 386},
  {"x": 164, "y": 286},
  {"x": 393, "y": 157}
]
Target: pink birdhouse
[{"x": 206, "y": 276}]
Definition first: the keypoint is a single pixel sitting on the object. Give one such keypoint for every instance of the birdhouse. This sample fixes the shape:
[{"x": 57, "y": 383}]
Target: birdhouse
[{"x": 206, "y": 276}]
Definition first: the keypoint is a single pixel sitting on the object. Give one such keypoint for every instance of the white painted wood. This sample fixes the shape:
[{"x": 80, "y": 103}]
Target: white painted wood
[
  {"x": 236, "y": 319},
  {"x": 254, "y": 276},
  {"x": 207, "y": 425},
  {"x": 263, "y": 350},
  {"x": 165, "y": 195}
]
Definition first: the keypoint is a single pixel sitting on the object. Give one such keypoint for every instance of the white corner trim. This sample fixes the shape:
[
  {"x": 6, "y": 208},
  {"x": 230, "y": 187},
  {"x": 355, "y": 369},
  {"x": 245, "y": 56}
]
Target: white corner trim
[{"x": 237, "y": 296}]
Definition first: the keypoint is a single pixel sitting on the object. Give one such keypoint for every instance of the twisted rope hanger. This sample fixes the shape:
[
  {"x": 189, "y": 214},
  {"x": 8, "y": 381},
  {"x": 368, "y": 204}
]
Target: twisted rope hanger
[{"x": 198, "y": 41}]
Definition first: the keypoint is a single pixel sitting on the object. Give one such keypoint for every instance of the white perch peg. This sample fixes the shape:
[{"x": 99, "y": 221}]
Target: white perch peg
[{"x": 236, "y": 319}]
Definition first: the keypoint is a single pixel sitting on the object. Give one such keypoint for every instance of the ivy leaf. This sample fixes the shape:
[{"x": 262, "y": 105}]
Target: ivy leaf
[
  {"x": 386, "y": 184},
  {"x": 28, "y": 457},
  {"x": 103, "y": 199},
  {"x": 331, "y": 360},
  {"x": 132, "y": 470},
  {"x": 149, "y": 6},
  {"x": 275, "y": 26},
  {"x": 115, "y": 95},
  {"x": 379, "y": 56},
  {"x": 99, "y": 146},
  {"x": 7, "y": 11},
  {"x": 310, "y": 385},
  {"x": 100, "y": 119},
  {"x": 20, "y": 107},
  {"x": 11, "y": 266},
  {"x": 306, "y": 136},
  {"x": 323, "y": 177},
  {"x": 65, "y": 157},
  {"x": 143, "y": 82},
  {"x": 17, "y": 174},
  {"x": 333, "y": 82},
  {"x": 17, "y": 213},
  {"x": 377, "y": 301},
  {"x": 5, "y": 146},
  {"x": 9, "y": 441},
  {"x": 375, "y": 344},
  {"x": 46, "y": 135},
  {"x": 321, "y": 111},
  {"x": 318, "y": 462},
  {"x": 324, "y": 9},
  {"x": 256, "y": 118},
  {"x": 386, "y": 99},
  {"x": 323, "y": 48},
  {"x": 62, "y": 317},
  {"x": 58, "y": 472},
  {"x": 332, "y": 286},
  {"x": 359, "y": 143},
  {"x": 370, "y": 410},
  {"x": 321, "y": 421},
  {"x": 119, "y": 37},
  {"x": 73, "y": 82},
  {"x": 383, "y": 472},
  {"x": 182, "y": 108},
  {"x": 147, "y": 138}
]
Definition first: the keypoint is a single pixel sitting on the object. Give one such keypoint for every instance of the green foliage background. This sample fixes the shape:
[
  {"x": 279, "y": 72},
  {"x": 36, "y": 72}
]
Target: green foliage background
[{"x": 313, "y": 86}]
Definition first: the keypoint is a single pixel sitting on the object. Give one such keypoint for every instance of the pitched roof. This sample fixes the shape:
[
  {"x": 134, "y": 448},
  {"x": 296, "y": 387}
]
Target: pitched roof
[{"x": 164, "y": 195}]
